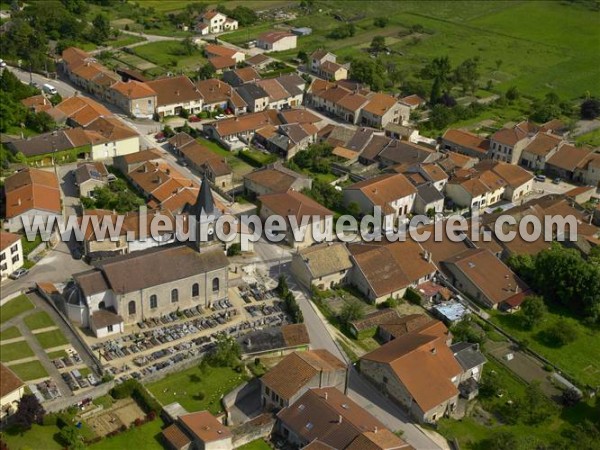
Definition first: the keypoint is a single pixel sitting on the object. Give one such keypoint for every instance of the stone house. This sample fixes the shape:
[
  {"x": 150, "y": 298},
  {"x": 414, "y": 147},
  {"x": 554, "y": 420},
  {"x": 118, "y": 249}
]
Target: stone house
[{"x": 324, "y": 265}]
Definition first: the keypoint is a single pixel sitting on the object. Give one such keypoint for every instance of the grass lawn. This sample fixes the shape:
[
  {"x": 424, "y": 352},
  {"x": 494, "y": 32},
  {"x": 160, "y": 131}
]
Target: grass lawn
[
  {"x": 32, "y": 438},
  {"x": 124, "y": 40},
  {"x": 15, "y": 351},
  {"x": 57, "y": 354},
  {"x": 146, "y": 437},
  {"x": 258, "y": 444},
  {"x": 29, "y": 246},
  {"x": 170, "y": 55},
  {"x": 106, "y": 401},
  {"x": 50, "y": 339},
  {"x": 579, "y": 359},
  {"x": 592, "y": 138},
  {"x": 10, "y": 333},
  {"x": 197, "y": 390},
  {"x": 14, "y": 307},
  {"x": 238, "y": 166},
  {"x": 39, "y": 320},
  {"x": 29, "y": 371}
]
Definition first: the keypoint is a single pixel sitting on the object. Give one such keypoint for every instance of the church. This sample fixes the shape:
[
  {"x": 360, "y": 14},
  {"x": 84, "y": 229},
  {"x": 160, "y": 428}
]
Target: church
[{"x": 150, "y": 283}]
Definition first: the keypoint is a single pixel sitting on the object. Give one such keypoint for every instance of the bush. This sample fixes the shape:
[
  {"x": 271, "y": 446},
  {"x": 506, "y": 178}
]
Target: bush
[
  {"x": 413, "y": 296},
  {"x": 234, "y": 249},
  {"x": 134, "y": 389},
  {"x": 560, "y": 333}
]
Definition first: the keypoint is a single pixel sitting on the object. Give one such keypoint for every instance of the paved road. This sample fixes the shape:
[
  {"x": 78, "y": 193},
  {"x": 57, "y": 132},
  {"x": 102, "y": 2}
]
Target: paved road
[{"x": 275, "y": 260}]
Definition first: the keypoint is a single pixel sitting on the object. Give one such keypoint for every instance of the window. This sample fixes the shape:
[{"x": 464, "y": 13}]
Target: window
[
  {"x": 153, "y": 301},
  {"x": 131, "y": 308},
  {"x": 3, "y": 267},
  {"x": 174, "y": 296},
  {"x": 14, "y": 248},
  {"x": 15, "y": 258},
  {"x": 110, "y": 328},
  {"x": 195, "y": 290},
  {"x": 385, "y": 380},
  {"x": 2, "y": 256},
  {"x": 267, "y": 390},
  {"x": 215, "y": 284}
]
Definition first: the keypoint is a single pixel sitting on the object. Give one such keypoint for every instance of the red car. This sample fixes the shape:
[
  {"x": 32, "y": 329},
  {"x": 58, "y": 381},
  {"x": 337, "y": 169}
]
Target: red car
[
  {"x": 160, "y": 137},
  {"x": 194, "y": 119}
]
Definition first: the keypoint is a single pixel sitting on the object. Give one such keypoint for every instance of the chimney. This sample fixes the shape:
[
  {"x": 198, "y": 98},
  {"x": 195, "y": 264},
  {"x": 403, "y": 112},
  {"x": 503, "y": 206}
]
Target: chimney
[
  {"x": 19, "y": 201},
  {"x": 433, "y": 351},
  {"x": 177, "y": 92},
  {"x": 340, "y": 418},
  {"x": 326, "y": 395},
  {"x": 375, "y": 430}
]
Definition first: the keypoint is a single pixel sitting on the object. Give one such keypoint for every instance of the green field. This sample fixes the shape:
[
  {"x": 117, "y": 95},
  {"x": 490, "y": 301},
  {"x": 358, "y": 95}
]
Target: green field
[
  {"x": 238, "y": 166},
  {"x": 31, "y": 370},
  {"x": 177, "y": 5},
  {"x": 170, "y": 55},
  {"x": 14, "y": 307},
  {"x": 538, "y": 43},
  {"x": 258, "y": 444},
  {"x": 10, "y": 333},
  {"x": 15, "y": 351},
  {"x": 57, "y": 354},
  {"x": 197, "y": 390},
  {"x": 51, "y": 339},
  {"x": 39, "y": 320},
  {"x": 592, "y": 138},
  {"x": 579, "y": 359},
  {"x": 32, "y": 438},
  {"x": 146, "y": 437}
]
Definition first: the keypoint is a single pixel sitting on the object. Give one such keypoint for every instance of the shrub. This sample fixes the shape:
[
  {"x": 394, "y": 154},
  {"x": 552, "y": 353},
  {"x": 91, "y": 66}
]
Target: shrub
[
  {"x": 412, "y": 296},
  {"x": 234, "y": 249}
]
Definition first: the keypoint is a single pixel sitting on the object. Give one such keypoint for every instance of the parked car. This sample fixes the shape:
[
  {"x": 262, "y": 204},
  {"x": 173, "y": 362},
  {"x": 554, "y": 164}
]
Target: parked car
[
  {"x": 194, "y": 119},
  {"x": 540, "y": 178},
  {"x": 77, "y": 253},
  {"x": 556, "y": 181},
  {"x": 221, "y": 116},
  {"x": 160, "y": 137},
  {"x": 18, "y": 273}
]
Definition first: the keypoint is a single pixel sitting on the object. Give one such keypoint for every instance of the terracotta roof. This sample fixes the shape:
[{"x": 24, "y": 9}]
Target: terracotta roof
[
  {"x": 569, "y": 157},
  {"x": 273, "y": 36},
  {"x": 325, "y": 259},
  {"x": 214, "y": 91},
  {"x": 423, "y": 363},
  {"x": 295, "y": 334},
  {"x": 141, "y": 156},
  {"x": 274, "y": 89},
  {"x": 247, "y": 74},
  {"x": 175, "y": 436},
  {"x": 316, "y": 416},
  {"x": 320, "y": 54},
  {"x": 379, "y": 104},
  {"x": 390, "y": 267},
  {"x": 490, "y": 275},
  {"x": 344, "y": 153},
  {"x": 173, "y": 90},
  {"x": 292, "y": 203},
  {"x": 9, "y": 382},
  {"x": 37, "y": 103},
  {"x": 295, "y": 370},
  {"x": 82, "y": 110},
  {"x": 378, "y": 440},
  {"x": 8, "y": 239},
  {"x": 330, "y": 67},
  {"x": 374, "y": 319},
  {"x": 133, "y": 89},
  {"x": 74, "y": 56},
  {"x": 512, "y": 174},
  {"x": 375, "y": 147},
  {"x": 205, "y": 426},
  {"x": 112, "y": 129},
  {"x": 221, "y": 62},
  {"x": 103, "y": 318},
  {"x": 219, "y": 50},
  {"x": 352, "y": 102},
  {"x": 542, "y": 144},
  {"x": 509, "y": 136},
  {"x": 454, "y": 160},
  {"x": 31, "y": 189},
  {"x": 200, "y": 156},
  {"x": 400, "y": 326},
  {"x": 248, "y": 122},
  {"x": 384, "y": 189},
  {"x": 434, "y": 172},
  {"x": 413, "y": 100},
  {"x": 299, "y": 115},
  {"x": 257, "y": 59},
  {"x": 275, "y": 178},
  {"x": 468, "y": 140}
]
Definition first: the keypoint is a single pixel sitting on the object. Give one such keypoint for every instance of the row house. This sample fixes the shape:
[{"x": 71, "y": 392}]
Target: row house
[
  {"x": 324, "y": 64},
  {"x": 568, "y": 161},
  {"x": 136, "y": 98},
  {"x": 218, "y": 95},
  {"x": 539, "y": 150},
  {"x": 465, "y": 143},
  {"x": 174, "y": 94},
  {"x": 236, "y": 132},
  {"x": 508, "y": 144}
]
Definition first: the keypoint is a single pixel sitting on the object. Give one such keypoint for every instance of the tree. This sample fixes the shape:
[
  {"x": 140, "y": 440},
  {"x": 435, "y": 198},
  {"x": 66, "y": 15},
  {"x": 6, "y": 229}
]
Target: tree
[
  {"x": 101, "y": 29},
  {"x": 303, "y": 56},
  {"x": 70, "y": 436},
  {"x": 29, "y": 412},
  {"x": 570, "y": 397},
  {"x": 467, "y": 75},
  {"x": 380, "y": 22},
  {"x": 501, "y": 440},
  {"x": 436, "y": 92},
  {"x": 532, "y": 311},
  {"x": 378, "y": 44},
  {"x": 353, "y": 309},
  {"x": 440, "y": 117},
  {"x": 561, "y": 333},
  {"x": 438, "y": 69},
  {"x": 354, "y": 209},
  {"x": 512, "y": 93},
  {"x": 534, "y": 407},
  {"x": 590, "y": 109},
  {"x": 206, "y": 72},
  {"x": 188, "y": 46},
  {"x": 226, "y": 352},
  {"x": 40, "y": 122},
  {"x": 234, "y": 250}
]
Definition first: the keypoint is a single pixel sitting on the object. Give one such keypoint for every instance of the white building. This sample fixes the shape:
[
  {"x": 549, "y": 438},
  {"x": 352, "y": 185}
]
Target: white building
[
  {"x": 277, "y": 41},
  {"x": 11, "y": 253},
  {"x": 213, "y": 22}
]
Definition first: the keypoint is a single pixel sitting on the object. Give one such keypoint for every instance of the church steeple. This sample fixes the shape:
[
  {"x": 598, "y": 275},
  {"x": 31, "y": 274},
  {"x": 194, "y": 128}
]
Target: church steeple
[
  {"x": 203, "y": 215},
  {"x": 205, "y": 204}
]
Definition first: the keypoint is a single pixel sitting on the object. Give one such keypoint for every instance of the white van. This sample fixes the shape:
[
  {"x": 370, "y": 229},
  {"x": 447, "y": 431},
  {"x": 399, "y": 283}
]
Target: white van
[{"x": 49, "y": 89}]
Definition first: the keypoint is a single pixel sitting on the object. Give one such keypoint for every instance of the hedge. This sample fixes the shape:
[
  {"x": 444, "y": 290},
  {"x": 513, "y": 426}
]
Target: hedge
[{"x": 134, "y": 389}]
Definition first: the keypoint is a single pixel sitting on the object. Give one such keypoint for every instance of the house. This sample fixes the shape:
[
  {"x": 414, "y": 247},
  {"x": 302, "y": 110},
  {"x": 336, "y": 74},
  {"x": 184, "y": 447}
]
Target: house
[
  {"x": 259, "y": 61},
  {"x": 429, "y": 200},
  {"x": 413, "y": 101},
  {"x": 372, "y": 321},
  {"x": 255, "y": 97},
  {"x": 395, "y": 327},
  {"x": 78, "y": 111},
  {"x": 465, "y": 143},
  {"x": 519, "y": 182},
  {"x": 37, "y": 103},
  {"x": 324, "y": 265},
  {"x": 431, "y": 173},
  {"x": 174, "y": 94},
  {"x": 301, "y": 215},
  {"x": 588, "y": 170},
  {"x": 203, "y": 160},
  {"x": 383, "y": 269},
  {"x": 476, "y": 190},
  {"x": 148, "y": 283},
  {"x": 236, "y": 131},
  {"x": 507, "y": 144},
  {"x": 12, "y": 389},
  {"x": 241, "y": 76},
  {"x": 324, "y": 64},
  {"x": 383, "y": 109},
  {"x": 418, "y": 371},
  {"x": 216, "y": 51},
  {"x": 296, "y": 373},
  {"x": 56, "y": 145},
  {"x": 218, "y": 95},
  {"x": 325, "y": 418},
  {"x": 127, "y": 163},
  {"x": 85, "y": 71},
  {"x": 31, "y": 193},
  {"x": 277, "y": 41},
  {"x": 199, "y": 430},
  {"x": 453, "y": 161},
  {"x": 471, "y": 360},
  {"x": 318, "y": 57},
  {"x": 288, "y": 139},
  {"x": 484, "y": 278},
  {"x": 566, "y": 162},
  {"x": 393, "y": 193},
  {"x": 135, "y": 98},
  {"x": 117, "y": 139},
  {"x": 541, "y": 148},
  {"x": 89, "y": 176},
  {"x": 282, "y": 93},
  {"x": 275, "y": 178},
  {"x": 274, "y": 341},
  {"x": 396, "y": 152},
  {"x": 213, "y": 22},
  {"x": 11, "y": 256}
]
